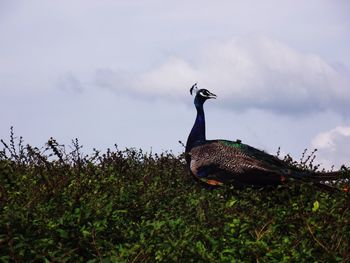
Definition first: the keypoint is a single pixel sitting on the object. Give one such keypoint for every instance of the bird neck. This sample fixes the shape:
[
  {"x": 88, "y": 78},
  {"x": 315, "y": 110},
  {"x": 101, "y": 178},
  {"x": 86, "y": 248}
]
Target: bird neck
[{"x": 197, "y": 134}]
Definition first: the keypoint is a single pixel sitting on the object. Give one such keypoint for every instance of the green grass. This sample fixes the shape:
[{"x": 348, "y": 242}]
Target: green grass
[{"x": 129, "y": 206}]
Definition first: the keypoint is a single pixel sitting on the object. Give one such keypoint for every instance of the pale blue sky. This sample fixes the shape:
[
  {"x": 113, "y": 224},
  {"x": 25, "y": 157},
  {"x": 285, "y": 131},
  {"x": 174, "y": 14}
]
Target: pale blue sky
[{"x": 120, "y": 71}]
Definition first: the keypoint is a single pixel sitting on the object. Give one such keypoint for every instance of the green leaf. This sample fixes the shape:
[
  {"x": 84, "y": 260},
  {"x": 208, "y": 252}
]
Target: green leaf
[
  {"x": 63, "y": 233},
  {"x": 316, "y": 206}
]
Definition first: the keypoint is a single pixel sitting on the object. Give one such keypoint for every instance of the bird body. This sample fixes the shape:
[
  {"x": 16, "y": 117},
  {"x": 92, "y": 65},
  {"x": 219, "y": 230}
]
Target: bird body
[
  {"x": 217, "y": 162},
  {"x": 227, "y": 161}
]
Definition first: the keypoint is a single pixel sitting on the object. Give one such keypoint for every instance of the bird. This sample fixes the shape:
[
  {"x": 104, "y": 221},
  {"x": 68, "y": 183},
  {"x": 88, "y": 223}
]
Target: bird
[{"x": 218, "y": 162}]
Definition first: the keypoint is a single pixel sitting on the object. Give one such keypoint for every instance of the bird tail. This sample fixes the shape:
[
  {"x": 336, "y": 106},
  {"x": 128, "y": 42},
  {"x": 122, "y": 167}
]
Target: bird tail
[
  {"x": 318, "y": 176},
  {"x": 325, "y": 180},
  {"x": 326, "y": 176}
]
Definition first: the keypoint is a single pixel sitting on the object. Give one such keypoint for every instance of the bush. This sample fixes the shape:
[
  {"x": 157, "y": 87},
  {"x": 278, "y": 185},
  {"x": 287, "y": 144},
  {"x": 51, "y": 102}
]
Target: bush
[{"x": 130, "y": 206}]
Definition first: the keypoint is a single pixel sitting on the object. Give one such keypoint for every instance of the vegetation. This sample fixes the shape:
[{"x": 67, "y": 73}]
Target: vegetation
[{"x": 129, "y": 206}]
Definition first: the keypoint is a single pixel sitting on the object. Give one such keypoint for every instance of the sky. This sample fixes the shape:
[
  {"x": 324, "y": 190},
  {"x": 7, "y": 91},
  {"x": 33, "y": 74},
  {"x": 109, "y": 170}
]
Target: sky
[{"x": 119, "y": 72}]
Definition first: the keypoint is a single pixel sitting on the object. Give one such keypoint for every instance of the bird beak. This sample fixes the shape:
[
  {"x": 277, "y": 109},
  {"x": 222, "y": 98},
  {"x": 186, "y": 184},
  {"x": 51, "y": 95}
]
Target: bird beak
[{"x": 212, "y": 96}]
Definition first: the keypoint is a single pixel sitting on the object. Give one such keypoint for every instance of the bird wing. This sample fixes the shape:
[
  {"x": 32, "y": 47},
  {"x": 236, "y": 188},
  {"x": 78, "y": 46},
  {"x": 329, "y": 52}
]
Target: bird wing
[{"x": 226, "y": 160}]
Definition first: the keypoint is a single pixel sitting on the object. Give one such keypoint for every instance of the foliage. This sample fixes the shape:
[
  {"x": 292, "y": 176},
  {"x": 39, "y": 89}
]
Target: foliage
[{"x": 129, "y": 206}]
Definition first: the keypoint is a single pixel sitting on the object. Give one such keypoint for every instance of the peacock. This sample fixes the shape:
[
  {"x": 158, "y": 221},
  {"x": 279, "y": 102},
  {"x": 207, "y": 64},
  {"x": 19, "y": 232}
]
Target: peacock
[{"x": 218, "y": 162}]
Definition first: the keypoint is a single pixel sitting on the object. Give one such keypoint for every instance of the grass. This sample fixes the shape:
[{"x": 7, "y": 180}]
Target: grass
[{"x": 129, "y": 206}]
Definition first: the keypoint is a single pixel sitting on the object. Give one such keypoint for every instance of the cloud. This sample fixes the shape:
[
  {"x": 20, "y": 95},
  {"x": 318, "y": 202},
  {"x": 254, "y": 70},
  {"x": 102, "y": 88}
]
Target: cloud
[
  {"x": 250, "y": 72},
  {"x": 70, "y": 83},
  {"x": 333, "y": 146}
]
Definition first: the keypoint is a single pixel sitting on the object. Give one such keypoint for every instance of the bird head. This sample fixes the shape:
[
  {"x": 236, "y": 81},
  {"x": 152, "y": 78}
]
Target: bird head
[{"x": 201, "y": 94}]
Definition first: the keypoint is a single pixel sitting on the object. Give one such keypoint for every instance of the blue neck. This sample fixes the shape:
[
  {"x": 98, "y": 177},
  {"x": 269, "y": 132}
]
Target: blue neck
[{"x": 197, "y": 134}]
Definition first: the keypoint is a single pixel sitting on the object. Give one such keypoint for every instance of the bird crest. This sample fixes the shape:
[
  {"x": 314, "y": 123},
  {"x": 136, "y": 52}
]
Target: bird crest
[{"x": 194, "y": 89}]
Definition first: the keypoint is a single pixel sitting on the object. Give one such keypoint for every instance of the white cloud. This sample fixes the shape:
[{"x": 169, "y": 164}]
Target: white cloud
[
  {"x": 251, "y": 72},
  {"x": 333, "y": 146}
]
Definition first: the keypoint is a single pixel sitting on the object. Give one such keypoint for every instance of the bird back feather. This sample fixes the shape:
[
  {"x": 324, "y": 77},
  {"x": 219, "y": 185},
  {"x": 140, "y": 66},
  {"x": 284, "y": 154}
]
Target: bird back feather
[{"x": 226, "y": 161}]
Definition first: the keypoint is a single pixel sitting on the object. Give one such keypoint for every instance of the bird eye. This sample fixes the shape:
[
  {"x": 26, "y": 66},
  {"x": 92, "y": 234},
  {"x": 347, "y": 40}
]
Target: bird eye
[{"x": 204, "y": 93}]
